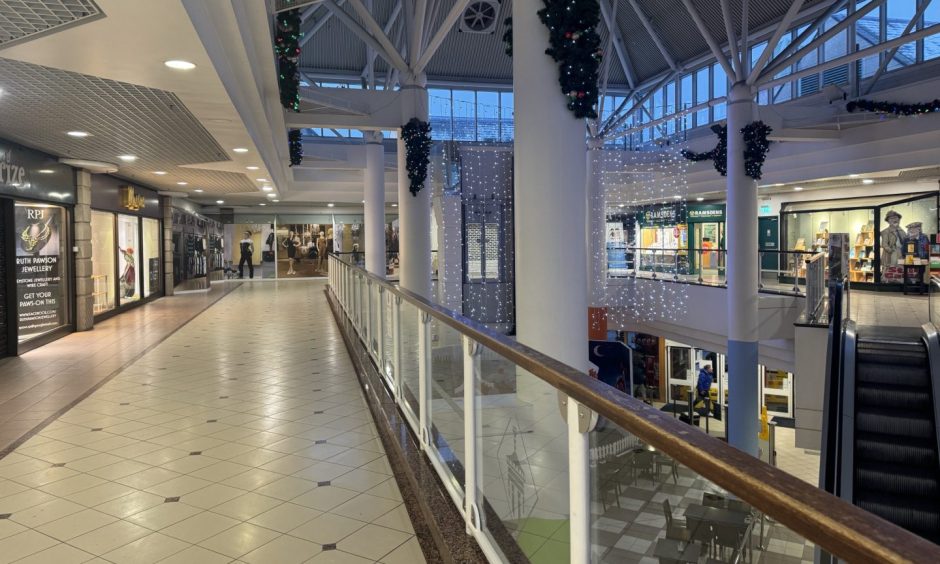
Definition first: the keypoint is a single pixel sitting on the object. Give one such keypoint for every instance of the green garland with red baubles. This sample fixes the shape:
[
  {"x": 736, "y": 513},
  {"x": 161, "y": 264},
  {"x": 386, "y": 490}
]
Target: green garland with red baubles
[
  {"x": 575, "y": 45},
  {"x": 287, "y": 48}
]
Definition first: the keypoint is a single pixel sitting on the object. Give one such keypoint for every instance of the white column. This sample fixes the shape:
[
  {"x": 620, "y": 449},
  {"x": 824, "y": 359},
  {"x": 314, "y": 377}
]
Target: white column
[
  {"x": 84, "y": 284},
  {"x": 597, "y": 256},
  {"x": 743, "y": 320},
  {"x": 414, "y": 211},
  {"x": 374, "y": 195},
  {"x": 550, "y": 200}
]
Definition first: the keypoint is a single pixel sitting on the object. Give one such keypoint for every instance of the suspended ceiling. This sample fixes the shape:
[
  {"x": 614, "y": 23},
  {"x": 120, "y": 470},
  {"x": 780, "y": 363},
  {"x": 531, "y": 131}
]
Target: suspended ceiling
[{"x": 22, "y": 20}]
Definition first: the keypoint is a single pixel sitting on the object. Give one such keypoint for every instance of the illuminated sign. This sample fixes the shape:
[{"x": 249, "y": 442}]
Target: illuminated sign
[{"x": 130, "y": 200}]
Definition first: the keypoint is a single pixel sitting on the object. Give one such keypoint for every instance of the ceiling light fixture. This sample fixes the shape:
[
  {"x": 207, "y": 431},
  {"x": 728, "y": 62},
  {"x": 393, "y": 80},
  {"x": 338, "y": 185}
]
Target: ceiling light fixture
[
  {"x": 220, "y": 201},
  {"x": 275, "y": 200},
  {"x": 262, "y": 204},
  {"x": 128, "y": 158},
  {"x": 868, "y": 181},
  {"x": 700, "y": 199},
  {"x": 853, "y": 176},
  {"x": 77, "y": 134},
  {"x": 271, "y": 195},
  {"x": 45, "y": 171},
  {"x": 330, "y": 205},
  {"x": 677, "y": 197},
  {"x": 182, "y": 183},
  {"x": 251, "y": 167},
  {"x": 178, "y": 64},
  {"x": 198, "y": 190},
  {"x": 394, "y": 205},
  {"x": 797, "y": 188},
  {"x": 159, "y": 172},
  {"x": 240, "y": 150},
  {"x": 261, "y": 179},
  {"x": 267, "y": 188}
]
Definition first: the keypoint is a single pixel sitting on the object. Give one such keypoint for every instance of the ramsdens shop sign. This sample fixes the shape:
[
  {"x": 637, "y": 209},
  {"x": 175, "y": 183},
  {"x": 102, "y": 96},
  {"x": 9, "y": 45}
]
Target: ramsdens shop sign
[{"x": 706, "y": 213}]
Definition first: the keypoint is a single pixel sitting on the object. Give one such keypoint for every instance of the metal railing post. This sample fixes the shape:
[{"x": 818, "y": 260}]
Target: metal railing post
[
  {"x": 380, "y": 324},
  {"x": 760, "y": 270},
  {"x": 424, "y": 377},
  {"x": 396, "y": 349},
  {"x": 579, "y": 482},
  {"x": 675, "y": 268},
  {"x": 701, "y": 265},
  {"x": 368, "y": 317},
  {"x": 473, "y": 429}
]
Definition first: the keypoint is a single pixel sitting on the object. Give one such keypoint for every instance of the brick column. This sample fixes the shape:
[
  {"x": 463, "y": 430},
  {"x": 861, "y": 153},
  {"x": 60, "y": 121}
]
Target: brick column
[
  {"x": 84, "y": 286},
  {"x": 166, "y": 204}
]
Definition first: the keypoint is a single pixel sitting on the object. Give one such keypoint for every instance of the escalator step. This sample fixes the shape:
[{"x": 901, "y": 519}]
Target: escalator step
[
  {"x": 897, "y": 479},
  {"x": 893, "y": 422},
  {"x": 897, "y": 397},
  {"x": 902, "y": 356},
  {"x": 892, "y": 375},
  {"x": 890, "y": 448},
  {"x": 920, "y": 516}
]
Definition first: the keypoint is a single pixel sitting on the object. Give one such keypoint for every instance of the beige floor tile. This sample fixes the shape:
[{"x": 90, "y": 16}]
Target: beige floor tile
[
  {"x": 240, "y": 540},
  {"x": 325, "y": 498},
  {"x": 373, "y": 541},
  {"x": 366, "y": 507},
  {"x": 327, "y": 529},
  {"x": 130, "y": 504},
  {"x": 8, "y": 528},
  {"x": 212, "y": 495},
  {"x": 163, "y": 515},
  {"x": 46, "y": 512},
  {"x": 178, "y": 486},
  {"x": 109, "y": 537},
  {"x": 196, "y": 555},
  {"x": 283, "y": 550},
  {"x": 147, "y": 550},
  {"x": 285, "y": 517},
  {"x": 287, "y": 488},
  {"x": 408, "y": 553},
  {"x": 338, "y": 557},
  {"x": 58, "y": 554},
  {"x": 100, "y": 494},
  {"x": 199, "y": 527},
  {"x": 45, "y": 476},
  {"x": 397, "y": 519},
  {"x": 24, "y": 544},
  {"x": 247, "y": 506},
  {"x": 71, "y": 526}
]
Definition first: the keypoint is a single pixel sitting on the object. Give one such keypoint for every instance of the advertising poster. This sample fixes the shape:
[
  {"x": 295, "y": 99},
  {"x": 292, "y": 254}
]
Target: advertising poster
[
  {"x": 128, "y": 256},
  {"x": 40, "y": 285},
  {"x": 646, "y": 354}
]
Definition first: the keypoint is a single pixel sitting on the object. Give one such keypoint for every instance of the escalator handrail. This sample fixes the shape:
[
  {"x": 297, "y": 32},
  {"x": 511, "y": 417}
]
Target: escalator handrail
[
  {"x": 846, "y": 446},
  {"x": 829, "y": 453},
  {"x": 932, "y": 341}
]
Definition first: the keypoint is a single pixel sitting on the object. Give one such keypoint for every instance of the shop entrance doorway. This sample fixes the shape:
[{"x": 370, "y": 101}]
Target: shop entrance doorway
[
  {"x": 768, "y": 239},
  {"x": 709, "y": 238},
  {"x": 777, "y": 391}
]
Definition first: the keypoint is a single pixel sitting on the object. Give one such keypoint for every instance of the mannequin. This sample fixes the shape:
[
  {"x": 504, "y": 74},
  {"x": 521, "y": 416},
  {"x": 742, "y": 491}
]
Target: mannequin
[
  {"x": 892, "y": 238},
  {"x": 321, "y": 251},
  {"x": 916, "y": 244}
]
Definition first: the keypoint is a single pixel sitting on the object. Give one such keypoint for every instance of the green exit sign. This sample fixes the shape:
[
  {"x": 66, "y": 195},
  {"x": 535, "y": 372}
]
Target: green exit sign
[{"x": 765, "y": 209}]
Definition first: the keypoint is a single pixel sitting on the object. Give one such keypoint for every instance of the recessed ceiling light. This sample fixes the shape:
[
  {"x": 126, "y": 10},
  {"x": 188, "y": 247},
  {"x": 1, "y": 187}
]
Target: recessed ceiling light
[
  {"x": 77, "y": 134},
  {"x": 267, "y": 188},
  {"x": 271, "y": 195},
  {"x": 853, "y": 176},
  {"x": 394, "y": 205},
  {"x": 330, "y": 205},
  {"x": 159, "y": 172},
  {"x": 677, "y": 197},
  {"x": 797, "y": 188},
  {"x": 868, "y": 181},
  {"x": 128, "y": 158},
  {"x": 178, "y": 64},
  {"x": 198, "y": 190},
  {"x": 240, "y": 150},
  {"x": 700, "y": 199},
  {"x": 363, "y": 201},
  {"x": 251, "y": 167},
  {"x": 275, "y": 200},
  {"x": 262, "y": 204},
  {"x": 182, "y": 183},
  {"x": 261, "y": 179},
  {"x": 220, "y": 201},
  {"x": 45, "y": 171}
]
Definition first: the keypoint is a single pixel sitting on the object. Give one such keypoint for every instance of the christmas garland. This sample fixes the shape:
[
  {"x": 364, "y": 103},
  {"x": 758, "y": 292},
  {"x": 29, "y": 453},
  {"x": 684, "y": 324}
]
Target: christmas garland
[
  {"x": 416, "y": 135},
  {"x": 507, "y": 37},
  {"x": 575, "y": 45},
  {"x": 894, "y": 108},
  {"x": 287, "y": 48},
  {"x": 756, "y": 147},
  {"x": 718, "y": 155},
  {"x": 295, "y": 142}
]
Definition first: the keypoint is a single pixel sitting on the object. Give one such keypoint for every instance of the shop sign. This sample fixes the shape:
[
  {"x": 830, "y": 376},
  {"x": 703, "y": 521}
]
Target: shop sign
[
  {"x": 40, "y": 306},
  {"x": 660, "y": 216},
  {"x": 130, "y": 200},
  {"x": 11, "y": 174},
  {"x": 706, "y": 213},
  {"x": 24, "y": 172}
]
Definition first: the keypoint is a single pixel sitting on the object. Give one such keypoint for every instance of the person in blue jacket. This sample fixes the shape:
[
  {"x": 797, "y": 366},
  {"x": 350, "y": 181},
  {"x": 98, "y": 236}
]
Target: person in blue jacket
[{"x": 704, "y": 385}]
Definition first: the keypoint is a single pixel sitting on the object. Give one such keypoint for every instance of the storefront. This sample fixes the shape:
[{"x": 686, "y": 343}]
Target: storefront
[
  {"x": 198, "y": 245},
  {"x": 707, "y": 226},
  {"x": 662, "y": 238},
  {"x": 126, "y": 234},
  {"x": 249, "y": 247},
  {"x": 886, "y": 234},
  {"x": 37, "y": 195}
]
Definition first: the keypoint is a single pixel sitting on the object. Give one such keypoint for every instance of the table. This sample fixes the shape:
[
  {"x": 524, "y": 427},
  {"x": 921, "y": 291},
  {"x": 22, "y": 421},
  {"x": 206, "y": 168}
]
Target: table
[
  {"x": 718, "y": 516},
  {"x": 670, "y": 550}
]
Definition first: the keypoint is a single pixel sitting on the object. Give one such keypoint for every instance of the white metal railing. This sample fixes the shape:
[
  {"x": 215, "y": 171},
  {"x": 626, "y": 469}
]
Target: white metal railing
[
  {"x": 534, "y": 474},
  {"x": 815, "y": 285}
]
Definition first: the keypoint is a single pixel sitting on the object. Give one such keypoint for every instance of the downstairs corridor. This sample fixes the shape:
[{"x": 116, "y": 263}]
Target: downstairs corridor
[{"x": 243, "y": 437}]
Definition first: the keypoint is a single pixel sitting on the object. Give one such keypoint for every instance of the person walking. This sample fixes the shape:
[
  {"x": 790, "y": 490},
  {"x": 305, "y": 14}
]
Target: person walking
[
  {"x": 247, "y": 248},
  {"x": 703, "y": 386}
]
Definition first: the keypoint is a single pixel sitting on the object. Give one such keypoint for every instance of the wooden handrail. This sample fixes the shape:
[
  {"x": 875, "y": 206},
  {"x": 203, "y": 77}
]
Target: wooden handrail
[{"x": 841, "y": 528}]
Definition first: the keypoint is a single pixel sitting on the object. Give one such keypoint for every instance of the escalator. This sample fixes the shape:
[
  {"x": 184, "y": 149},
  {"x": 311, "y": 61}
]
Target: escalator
[{"x": 881, "y": 446}]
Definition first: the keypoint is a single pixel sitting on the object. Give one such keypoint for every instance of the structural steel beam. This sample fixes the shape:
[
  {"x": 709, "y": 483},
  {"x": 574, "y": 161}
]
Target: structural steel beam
[
  {"x": 610, "y": 20},
  {"x": 375, "y": 30},
  {"x": 388, "y": 53},
  {"x": 775, "y": 40},
  {"x": 709, "y": 39},
  {"x": 735, "y": 53},
  {"x": 890, "y": 55},
  {"x": 654, "y": 35},
  {"x": 434, "y": 44}
]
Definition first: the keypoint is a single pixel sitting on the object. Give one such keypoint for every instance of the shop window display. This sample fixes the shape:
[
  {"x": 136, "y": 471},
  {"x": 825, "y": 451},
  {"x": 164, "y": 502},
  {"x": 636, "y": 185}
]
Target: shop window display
[
  {"x": 907, "y": 229},
  {"x": 128, "y": 258},
  {"x": 258, "y": 240},
  {"x": 41, "y": 269},
  {"x": 151, "y": 257},
  {"x": 303, "y": 248},
  {"x": 103, "y": 269}
]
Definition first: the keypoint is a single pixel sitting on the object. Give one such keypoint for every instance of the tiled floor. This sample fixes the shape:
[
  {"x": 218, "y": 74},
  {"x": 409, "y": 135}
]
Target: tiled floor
[
  {"x": 243, "y": 437},
  {"x": 42, "y": 382}
]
